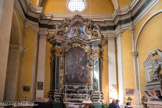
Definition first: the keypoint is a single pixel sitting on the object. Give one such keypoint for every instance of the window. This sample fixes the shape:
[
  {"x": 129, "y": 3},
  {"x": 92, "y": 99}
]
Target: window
[{"x": 76, "y": 5}]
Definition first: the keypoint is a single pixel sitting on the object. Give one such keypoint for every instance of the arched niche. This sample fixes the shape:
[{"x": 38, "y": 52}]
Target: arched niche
[{"x": 149, "y": 39}]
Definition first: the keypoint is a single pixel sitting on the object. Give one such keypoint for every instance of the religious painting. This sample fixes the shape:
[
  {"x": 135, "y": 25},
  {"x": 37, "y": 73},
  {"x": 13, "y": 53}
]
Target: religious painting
[
  {"x": 129, "y": 91},
  {"x": 26, "y": 88},
  {"x": 40, "y": 85},
  {"x": 76, "y": 70},
  {"x": 77, "y": 30}
]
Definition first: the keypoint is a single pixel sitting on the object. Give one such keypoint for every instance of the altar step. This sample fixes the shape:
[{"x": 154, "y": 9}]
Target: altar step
[
  {"x": 73, "y": 105},
  {"x": 97, "y": 96}
]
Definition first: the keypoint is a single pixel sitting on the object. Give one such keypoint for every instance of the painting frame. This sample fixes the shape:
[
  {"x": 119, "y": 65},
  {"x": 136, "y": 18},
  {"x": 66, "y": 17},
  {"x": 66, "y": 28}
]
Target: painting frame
[
  {"x": 129, "y": 92},
  {"x": 71, "y": 76}
]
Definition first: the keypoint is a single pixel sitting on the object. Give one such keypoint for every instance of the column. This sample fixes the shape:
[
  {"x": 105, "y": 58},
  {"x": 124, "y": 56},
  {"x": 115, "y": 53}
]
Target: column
[
  {"x": 136, "y": 71},
  {"x": 52, "y": 80},
  {"x": 34, "y": 68},
  {"x": 120, "y": 69},
  {"x": 55, "y": 74},
  {"x": 137, "y": 80},
  {"x": 41, "y": 68},
  {"x": 112, "y": 68},
  {"x": 5, "y": 30}
]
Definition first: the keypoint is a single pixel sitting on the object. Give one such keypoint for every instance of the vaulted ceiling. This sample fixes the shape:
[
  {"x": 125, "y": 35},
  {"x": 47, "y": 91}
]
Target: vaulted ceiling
[{"x": 93, "y": 6}]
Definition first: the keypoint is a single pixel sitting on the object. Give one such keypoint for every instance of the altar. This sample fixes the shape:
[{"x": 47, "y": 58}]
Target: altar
[{"x": 76, "y": 62}]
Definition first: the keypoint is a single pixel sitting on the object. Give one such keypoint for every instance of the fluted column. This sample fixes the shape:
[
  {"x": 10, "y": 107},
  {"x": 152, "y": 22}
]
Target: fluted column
[
  {"x": 120, "y": 68},
  {"x": 41, "y": 68},
  {"x": 112, "y": 76}
]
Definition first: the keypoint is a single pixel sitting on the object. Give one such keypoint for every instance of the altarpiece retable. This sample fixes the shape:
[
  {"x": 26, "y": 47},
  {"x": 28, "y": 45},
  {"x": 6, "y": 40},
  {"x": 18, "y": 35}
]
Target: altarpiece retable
[{"x": 76, "y": 61}]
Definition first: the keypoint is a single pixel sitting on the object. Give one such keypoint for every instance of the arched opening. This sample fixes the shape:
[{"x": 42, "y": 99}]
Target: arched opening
[
  {"x": 13, "y": 60},
  {"x": 149, "y": 39}
]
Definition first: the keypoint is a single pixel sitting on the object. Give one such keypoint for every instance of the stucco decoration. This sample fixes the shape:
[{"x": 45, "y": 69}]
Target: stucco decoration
[
  {"x": 153, "y": 71},
  {"x": 82, "y": 39}
]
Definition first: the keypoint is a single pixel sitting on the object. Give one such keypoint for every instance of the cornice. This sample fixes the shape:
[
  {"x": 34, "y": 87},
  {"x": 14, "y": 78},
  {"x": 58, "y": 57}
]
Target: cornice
[
  {"x": 122, "y": 18},
  {"x": 17, "y": 4}
]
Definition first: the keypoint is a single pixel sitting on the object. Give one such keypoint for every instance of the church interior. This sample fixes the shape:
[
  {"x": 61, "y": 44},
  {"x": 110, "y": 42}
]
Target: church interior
[{"x": 80, "y": 53}]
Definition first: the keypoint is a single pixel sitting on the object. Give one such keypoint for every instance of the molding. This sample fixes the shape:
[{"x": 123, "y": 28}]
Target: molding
[
  {"x": 111, "y": 38},
  {"x": 149, "y": 18},
  {"x": 19, "y": 8},
  {"x": 43, "y": 33},
  {"x": 115, "y": 4},
  {"x": 122, "y": 17},
  {"x": 16, "y": 26},
  {"x": 134, "y": 54},
  {"x": 119, "y": 32},
  {"x": 149, "y": 5}
]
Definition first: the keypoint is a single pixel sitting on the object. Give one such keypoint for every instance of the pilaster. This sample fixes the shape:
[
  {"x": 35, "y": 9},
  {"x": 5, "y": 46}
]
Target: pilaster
[
  {"x": 112, "y": 75},
  {"x": 41, "y": 67},
  {"x": 120, "y": 68}
]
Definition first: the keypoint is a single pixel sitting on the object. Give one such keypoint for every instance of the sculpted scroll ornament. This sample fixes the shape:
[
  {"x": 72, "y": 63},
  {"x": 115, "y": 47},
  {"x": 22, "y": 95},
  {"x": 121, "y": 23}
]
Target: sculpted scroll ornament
[
  {"x": 153, "y": 66},
  {"x": 78, "y": 26}
]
